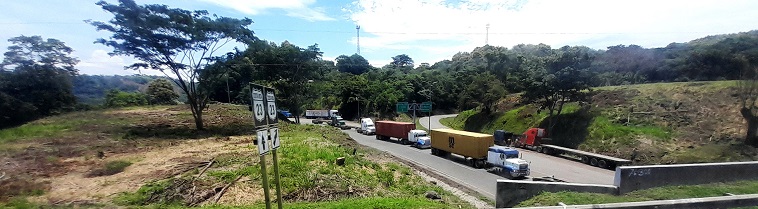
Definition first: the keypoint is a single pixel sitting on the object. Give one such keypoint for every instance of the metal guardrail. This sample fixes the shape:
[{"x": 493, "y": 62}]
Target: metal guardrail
[{"x": 694, "y": 203}]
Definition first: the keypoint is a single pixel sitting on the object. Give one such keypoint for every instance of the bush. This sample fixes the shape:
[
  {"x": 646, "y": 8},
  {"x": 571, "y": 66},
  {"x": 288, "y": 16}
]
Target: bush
[{"x": 116, "y": 98}]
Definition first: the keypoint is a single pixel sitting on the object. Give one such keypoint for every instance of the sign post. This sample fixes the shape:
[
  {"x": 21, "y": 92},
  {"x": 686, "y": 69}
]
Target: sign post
[{"x": 264, "y": 116}]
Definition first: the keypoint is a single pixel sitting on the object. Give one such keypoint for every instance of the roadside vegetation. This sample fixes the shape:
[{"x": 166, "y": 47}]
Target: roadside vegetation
[
  {"x": 152, "y": 157},
  {"x": 661, "y": 193},
  {"x": 665, "y": 123}
]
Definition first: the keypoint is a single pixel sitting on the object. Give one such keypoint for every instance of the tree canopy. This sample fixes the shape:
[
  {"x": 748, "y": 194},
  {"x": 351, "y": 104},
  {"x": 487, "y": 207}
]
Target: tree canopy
[{"x": 179, "y": 41}]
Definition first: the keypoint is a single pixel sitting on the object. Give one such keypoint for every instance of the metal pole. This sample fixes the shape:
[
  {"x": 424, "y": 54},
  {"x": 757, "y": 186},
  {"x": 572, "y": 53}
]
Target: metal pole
[
  {"x": 228, "y": 98},
  {"x": 276, "y": 178},
  {"x": 265, "y": 179}
]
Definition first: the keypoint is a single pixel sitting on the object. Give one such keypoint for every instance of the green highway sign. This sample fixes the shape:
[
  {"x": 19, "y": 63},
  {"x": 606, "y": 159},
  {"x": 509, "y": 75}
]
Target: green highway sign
[
  {"x": 426, "y": 107},
  {"x": 402, "y": 107}
]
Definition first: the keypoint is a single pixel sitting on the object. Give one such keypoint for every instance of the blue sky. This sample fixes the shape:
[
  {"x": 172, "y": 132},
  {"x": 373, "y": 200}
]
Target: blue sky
[{"x": 426, "y": 30}]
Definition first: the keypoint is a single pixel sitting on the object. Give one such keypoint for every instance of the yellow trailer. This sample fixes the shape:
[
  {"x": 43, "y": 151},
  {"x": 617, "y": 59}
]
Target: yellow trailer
[{"x": 467, "y": 144}]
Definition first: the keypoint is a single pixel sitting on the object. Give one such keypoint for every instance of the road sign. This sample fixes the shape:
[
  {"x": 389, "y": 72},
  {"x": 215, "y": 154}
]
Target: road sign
[
  {"x": 413, "y": 106},
  {"x": 263, "y": 142},
  {"x": 271, "y": 106},
  {"x": 402, "y": 107},
  {"x": 274, "y": 138},
  {"x": 426, "y": 107},
  {"x": 259, "y": 110}
]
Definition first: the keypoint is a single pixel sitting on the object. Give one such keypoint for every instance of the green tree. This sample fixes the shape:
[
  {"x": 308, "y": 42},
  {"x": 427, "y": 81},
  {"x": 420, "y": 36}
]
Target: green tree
[
  {"x": 175, "y": 40},
  {"x": 402, "y": 61},
  {"x": 36, "y": 79},
  {"x": 161, "y": 92},
  {"x": 116, "y": 98},
  {"x": 484, "y": 91},
  {"x": 354, "y": 64}
]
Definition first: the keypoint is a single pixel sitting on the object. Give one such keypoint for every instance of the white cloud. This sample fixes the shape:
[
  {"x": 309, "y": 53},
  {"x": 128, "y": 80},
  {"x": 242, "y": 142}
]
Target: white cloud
[
  {"x": 100, "y": 63},
  {"x": 461, "y": 26},
  {"x": 294, "y": 8}
]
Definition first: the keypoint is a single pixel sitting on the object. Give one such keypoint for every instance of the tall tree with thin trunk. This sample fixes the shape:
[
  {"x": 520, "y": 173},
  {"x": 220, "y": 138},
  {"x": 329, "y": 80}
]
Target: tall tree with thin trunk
[
  {"x": 748, "y": 94},
  {"x": 177, "y": 42}
]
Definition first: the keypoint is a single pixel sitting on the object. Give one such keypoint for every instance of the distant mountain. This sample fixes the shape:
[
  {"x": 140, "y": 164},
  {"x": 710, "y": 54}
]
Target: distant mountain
[{"x": 91, "y": 89}]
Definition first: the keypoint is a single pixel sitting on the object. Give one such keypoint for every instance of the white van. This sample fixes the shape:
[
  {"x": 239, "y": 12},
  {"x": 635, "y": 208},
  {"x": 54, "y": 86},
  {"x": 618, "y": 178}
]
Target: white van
[{"x": 367, "y": 127}]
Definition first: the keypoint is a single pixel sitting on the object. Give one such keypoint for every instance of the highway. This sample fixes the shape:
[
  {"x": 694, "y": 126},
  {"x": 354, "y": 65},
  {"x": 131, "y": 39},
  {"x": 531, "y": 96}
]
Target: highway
[{"x": 455, "y": 168}]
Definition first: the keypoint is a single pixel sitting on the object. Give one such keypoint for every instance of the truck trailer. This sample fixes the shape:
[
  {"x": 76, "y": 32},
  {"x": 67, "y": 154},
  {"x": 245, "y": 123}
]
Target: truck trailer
[
  {"x": 325, "y": 114},
  {"x": 536, "y": 139},
  {"x": 386, "y": 130},
  {"x": 479, "y": 149}
]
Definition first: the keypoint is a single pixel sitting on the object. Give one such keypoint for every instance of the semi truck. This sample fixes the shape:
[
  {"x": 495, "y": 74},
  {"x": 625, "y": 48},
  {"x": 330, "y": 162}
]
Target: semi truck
[
  {"x": 386, "y": 130},
  {"x": 536, "y": 139},
  {"x": 367, "y": 127},
  {"x": 338, "y": 122},
  {"x": 480, "y": 150},
  {"x": 325, "y": 114},
  {"x": 419, "y": 139}
]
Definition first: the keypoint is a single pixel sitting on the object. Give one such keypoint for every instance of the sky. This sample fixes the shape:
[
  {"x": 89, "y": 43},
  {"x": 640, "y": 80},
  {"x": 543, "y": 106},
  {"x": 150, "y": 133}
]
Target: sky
[{"x": 426, "y": 30}]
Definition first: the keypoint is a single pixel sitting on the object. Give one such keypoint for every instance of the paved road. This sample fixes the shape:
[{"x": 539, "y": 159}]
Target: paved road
[
  {"x": 457, "y": 169},
  {"x": 424, "y": 121}
]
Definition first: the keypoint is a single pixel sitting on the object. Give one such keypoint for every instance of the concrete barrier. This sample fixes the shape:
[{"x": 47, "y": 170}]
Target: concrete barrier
[
  {"x": 632, "y": 178},
  {"x": 693, "y": 203},
  {"x": 512, "y": 192}
]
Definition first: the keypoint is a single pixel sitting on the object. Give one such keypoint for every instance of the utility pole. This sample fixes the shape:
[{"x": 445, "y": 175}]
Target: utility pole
[
  {"x": 228, "y": 98},
  {"x": 487, "y": 37},
  {"x": 358, "y": 34}
]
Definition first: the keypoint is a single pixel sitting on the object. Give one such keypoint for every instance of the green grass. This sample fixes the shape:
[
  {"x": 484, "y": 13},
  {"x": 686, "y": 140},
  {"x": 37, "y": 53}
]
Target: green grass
[
  {"x": 515, "y": 120},
  {"x": 605, "y": 135},
  {"x": 30, "y": 131},
  {"x": 307, "y": 162},
  {"x": 699, "y": 85},
  {"x": 368, "y": 202},
  {"x": 661, "y": 193}
]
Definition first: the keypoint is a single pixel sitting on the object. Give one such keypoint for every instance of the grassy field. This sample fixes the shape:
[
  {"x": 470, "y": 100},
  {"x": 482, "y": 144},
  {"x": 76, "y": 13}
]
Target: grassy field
[
  {"x": 151, "y": 157},
  {"x": 662, "y": 193},
  {"x": 659, "y": 123}
]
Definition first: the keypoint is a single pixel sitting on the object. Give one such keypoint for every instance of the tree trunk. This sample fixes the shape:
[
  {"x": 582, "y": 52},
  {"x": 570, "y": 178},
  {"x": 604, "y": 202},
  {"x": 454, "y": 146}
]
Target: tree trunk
[
  {"x": 199, "y": 119},
  {"x": 752, "y": 127}
]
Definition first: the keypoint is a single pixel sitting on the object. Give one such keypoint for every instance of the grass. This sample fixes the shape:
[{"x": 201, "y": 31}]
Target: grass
[
  {"x": 605, "y": 135},
  {"x": 307, "y": 165},
  {"x": 661, "y": 193},
  {"x": 29, "y": 131}
]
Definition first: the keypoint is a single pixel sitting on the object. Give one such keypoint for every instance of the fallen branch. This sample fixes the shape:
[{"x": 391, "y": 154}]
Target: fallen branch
[
  {"x": 223, "y": 190},
  {"x": 204, "y": 169}
]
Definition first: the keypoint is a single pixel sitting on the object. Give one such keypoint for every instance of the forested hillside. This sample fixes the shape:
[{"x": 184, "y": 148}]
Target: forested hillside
[{"x": 91, "y": 89}]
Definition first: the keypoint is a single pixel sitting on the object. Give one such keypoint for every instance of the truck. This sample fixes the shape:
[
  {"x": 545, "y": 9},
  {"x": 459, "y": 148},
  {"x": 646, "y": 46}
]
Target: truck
[
  {"x": 480, "y": 150},
  {"x": 386, "y": 130},
  {"x": 367, "y": 127},
  {"x": 325, "y": 114},
  {"x": 536, "y": 139},
  {"x": 338, "y": 122},
  {"x": 419, "y": 139}
]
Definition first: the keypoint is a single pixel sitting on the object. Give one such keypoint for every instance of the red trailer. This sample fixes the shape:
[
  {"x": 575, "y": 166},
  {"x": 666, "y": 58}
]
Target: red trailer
[
  {"x": 399, "y": 130},
  {"x": 536, "y": 139}
]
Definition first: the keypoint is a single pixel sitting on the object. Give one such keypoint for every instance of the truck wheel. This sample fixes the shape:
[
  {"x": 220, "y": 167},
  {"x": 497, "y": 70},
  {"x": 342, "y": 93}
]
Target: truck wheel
[
  {"x": 435, "y": 152},
  {"x": 539, "y": 149},
  {"x": 602, "y": 164},
  {"x": 585, "y": 159},
  {"x": 378, "y": 137},
  {"x": 593, "y": 161}
]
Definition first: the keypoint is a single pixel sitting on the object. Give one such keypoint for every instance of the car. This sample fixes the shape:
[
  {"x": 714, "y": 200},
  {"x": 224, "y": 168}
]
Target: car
[{"x": 285, "y": 113}]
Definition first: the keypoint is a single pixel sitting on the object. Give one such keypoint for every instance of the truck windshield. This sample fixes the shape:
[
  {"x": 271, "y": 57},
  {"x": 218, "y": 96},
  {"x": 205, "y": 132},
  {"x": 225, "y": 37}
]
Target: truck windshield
[
  {"x": 511, "y": 156},
  {"x": 421, "y": 135}
]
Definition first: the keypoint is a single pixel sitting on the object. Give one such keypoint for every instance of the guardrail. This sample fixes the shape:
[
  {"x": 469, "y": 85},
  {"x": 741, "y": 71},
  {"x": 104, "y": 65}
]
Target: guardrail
[{"x": 692, "y": 203}]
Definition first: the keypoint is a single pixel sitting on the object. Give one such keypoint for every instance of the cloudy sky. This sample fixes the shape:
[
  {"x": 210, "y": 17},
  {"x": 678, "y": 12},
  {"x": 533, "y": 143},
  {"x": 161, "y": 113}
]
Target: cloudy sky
[{"x": 426, "y": 30}]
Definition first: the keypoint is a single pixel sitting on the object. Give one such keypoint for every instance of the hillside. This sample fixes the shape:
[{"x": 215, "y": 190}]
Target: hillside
[
  {"x": 152, "y": 156},
  {"x": 665, "y": 122}
]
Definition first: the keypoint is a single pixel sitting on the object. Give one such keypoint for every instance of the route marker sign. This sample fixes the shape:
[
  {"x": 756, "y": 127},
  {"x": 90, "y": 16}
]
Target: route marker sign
[
  {"x": 402, "y": 107},
  {"x": 271, "y": 106},
  {"x": 259, "y": 110},
  {"x": 274, "y": 138}
]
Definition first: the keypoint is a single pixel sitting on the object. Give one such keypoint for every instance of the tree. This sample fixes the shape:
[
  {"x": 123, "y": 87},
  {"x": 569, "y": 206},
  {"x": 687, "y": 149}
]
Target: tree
[
  {"x": 564, "y": 78},
  {"x": 116, "y": 98},
  {"x": 747, "y": 89},
  {"x": 175, "y": 40},
  {"x": 402, "y": 61},
  {"x": 484, "y": 90},
  {"x": 354, "y": 64},
  {"x": 34, "y": 51},
  {"x": 36, "y": 78},
  {"x": 161, "y": 92}
]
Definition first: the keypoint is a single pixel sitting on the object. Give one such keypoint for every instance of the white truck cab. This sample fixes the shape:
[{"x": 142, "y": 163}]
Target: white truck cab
[
  {"x": 419, "y": 139},
  {"x": 508, "y": 161},
  {"x": 367, "y": 127}
]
